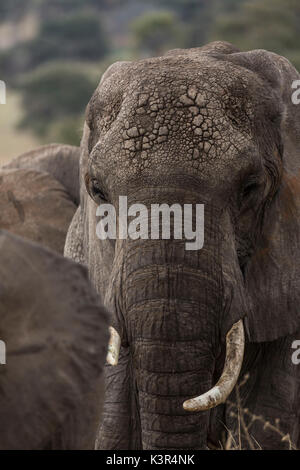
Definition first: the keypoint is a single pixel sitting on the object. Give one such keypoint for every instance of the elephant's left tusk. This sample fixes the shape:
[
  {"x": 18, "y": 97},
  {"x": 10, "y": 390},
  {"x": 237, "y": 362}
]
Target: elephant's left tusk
[
  {"x": 235, "y": 343},
  {"x": 113, "y": 347}
]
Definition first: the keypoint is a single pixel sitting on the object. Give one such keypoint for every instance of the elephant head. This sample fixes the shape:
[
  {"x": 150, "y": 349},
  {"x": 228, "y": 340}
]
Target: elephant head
[
  {"x": 55, "y": 332},
  {"x": 210, "y": 126}
]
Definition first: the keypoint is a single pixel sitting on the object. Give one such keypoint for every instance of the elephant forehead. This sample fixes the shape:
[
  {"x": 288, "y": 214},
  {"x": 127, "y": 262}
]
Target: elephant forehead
[
  {"x": 196, "y": 108},
  {"x": 211, "y": 72},
  {"x": 169, "y": 116}
]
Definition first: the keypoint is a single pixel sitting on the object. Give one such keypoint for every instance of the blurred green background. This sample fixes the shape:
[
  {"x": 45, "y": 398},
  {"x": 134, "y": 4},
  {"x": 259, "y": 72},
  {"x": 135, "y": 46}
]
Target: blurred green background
[{"x": 53, "y": 52}]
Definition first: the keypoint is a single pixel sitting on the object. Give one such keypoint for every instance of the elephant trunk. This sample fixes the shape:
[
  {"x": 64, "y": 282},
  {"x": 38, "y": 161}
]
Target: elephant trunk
[
  {"x": 177, "y": 308},
  {"x": 173, "y": 303}
]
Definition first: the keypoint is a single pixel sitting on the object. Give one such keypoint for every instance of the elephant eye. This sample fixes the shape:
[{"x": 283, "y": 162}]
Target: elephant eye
[
  {"x": 94, "y": 189},
  {"x": 249, "y": 193},
  {"x": 249, "y": 189}
]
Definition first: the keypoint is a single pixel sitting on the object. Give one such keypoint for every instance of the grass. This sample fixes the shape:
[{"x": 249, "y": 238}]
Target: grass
[{"x": 245, "y": 420}]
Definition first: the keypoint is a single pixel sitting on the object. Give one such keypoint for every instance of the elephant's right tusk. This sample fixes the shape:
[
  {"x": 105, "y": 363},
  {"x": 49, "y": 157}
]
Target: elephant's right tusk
[
  {"x": 235, "y": 343},
  {"x": 113, "y": 347}
]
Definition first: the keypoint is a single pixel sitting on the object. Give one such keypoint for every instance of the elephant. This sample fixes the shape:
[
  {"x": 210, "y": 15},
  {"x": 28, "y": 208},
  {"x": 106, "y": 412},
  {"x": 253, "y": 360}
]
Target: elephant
[
  {"x": 202, "y": 338},
  {"x": 40, "y": 194},
  {"x": 59, "y": 160},
  {"x": 55, "y": 330}
]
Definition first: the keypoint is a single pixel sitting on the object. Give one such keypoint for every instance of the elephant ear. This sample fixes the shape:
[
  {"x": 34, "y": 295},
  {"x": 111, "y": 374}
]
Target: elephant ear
[
  {"x": 35, "y": 206},
  {"x": 273, "y": 273},
  {"x": 60, "y": 161},
  {"x": 55, "y": 331}
]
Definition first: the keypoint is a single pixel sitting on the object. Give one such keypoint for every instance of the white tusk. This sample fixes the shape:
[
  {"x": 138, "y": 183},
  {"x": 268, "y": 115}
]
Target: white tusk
[
  {"x": 235, "y": 344},
  {"x": 113, "y": 347}
]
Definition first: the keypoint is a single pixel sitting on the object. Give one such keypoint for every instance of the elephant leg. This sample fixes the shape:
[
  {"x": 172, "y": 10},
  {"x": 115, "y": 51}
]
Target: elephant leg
[{"x": 120, "y": 426}]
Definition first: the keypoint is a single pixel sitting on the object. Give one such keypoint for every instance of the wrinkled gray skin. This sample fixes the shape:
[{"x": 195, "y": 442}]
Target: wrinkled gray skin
[
  {"x": 40, "y": 193},
  {"x": 55, "y": 330},
  {"x": 208, "y": 125},
  {"x": 58, "y": 160}
]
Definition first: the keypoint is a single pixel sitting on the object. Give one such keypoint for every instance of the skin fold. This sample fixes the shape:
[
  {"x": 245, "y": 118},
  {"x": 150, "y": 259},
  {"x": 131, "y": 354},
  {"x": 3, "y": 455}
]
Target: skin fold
[
  {"x": 213, "y": 126},
  {"x": 55, "y": 331}
]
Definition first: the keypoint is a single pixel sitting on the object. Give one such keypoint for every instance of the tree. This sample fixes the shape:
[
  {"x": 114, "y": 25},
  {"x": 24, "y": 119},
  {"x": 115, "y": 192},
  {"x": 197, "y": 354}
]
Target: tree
[
  {"x": 55, "y": 93},
  {"x": 196, "y": 16},
  {"x": 53, "y": 8},
  {"x": 78, "y": 36},
  {"x": 14, "y": 9},
  {"x": 156, "y": 32},
  {"x": 263, "y": 24}
]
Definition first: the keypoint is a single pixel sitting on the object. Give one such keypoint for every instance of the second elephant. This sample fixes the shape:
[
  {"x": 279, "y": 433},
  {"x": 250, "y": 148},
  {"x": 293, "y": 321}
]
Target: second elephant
[{"x": 55, "y": 331}]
